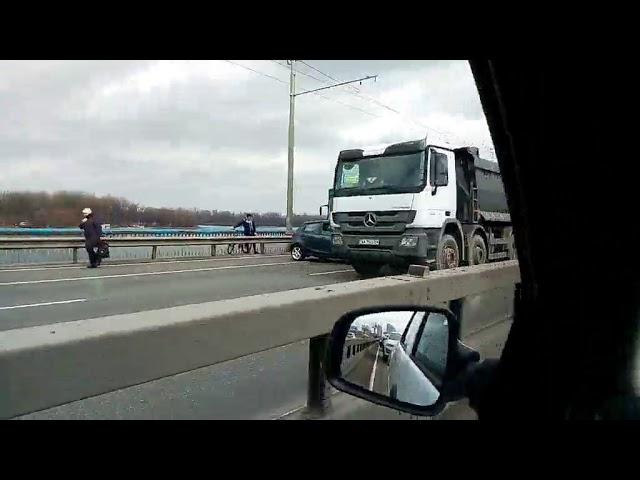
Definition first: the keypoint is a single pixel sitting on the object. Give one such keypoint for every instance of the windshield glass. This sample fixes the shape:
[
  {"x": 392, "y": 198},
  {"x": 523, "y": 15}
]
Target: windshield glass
[
  {"x": 141, "y": 189},
  {"x": 388, "y": 174}
]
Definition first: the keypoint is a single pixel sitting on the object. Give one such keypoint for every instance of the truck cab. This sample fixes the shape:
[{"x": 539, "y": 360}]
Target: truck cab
[{"x": 418, "y": 203}]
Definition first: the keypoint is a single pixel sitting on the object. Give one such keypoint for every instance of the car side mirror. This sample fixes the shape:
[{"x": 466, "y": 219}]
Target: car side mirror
[{"x": 408, "y": 358}]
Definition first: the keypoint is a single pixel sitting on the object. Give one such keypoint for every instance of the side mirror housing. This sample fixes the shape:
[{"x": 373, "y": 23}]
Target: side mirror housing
[
  {"x": 439, "y": 174},
  {"x": 408, "y": 358}
]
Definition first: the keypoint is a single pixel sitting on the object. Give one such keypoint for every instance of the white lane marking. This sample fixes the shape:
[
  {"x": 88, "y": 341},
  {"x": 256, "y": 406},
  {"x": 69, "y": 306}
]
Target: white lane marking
[
  {"x": 143, "y": 274},
  {"x": 327, "y": 273},
  {"x": 44, "y": 304},
  {"x": 373, "y": 370},
  {"x": 40, "y": 269},
  {"x": 290, "y": 412}
]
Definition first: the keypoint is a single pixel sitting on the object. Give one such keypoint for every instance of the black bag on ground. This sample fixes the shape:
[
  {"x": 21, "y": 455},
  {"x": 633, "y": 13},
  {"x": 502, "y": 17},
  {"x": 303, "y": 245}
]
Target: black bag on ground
[{"x": 103, "y": 249}]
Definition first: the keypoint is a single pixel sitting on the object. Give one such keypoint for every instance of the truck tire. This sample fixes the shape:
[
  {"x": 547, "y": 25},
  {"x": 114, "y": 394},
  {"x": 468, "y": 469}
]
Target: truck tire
[
  {"x": 448, "y": 253},
  {"x": 367, "y": 270},
  {"x": 478, "y": 253},
  {"x": 389, "y": 270}
]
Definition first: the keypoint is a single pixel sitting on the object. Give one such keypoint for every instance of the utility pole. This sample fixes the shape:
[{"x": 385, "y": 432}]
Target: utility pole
[{"x": 292, "y": 104}]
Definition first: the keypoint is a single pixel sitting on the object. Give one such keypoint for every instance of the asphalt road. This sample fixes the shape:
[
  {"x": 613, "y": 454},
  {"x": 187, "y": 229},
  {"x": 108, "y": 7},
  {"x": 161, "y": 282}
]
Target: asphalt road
[
  {"x": 42, "y": 295},
  {"x": 267, "y": 385},
  {"x": 371, "y": 372}
]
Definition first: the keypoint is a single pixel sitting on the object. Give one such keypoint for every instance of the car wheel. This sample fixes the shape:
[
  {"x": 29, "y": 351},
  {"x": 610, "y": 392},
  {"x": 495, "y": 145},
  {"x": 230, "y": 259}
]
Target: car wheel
[{"x": 297, "y": 253}]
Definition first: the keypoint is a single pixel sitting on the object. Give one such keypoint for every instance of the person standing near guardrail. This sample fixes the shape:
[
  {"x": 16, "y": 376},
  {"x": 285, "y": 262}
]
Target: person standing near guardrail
[
  {"x": 92, "y": 233},
  {"x": 249, "y": 227}
]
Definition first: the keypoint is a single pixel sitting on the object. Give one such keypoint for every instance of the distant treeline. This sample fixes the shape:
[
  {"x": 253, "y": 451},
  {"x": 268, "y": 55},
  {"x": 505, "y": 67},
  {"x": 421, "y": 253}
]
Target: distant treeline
[{"x": 63, "y": 209}]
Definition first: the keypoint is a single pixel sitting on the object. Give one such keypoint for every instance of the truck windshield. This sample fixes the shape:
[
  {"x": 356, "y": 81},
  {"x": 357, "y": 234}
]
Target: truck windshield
[{"x": 388, "y": 174}]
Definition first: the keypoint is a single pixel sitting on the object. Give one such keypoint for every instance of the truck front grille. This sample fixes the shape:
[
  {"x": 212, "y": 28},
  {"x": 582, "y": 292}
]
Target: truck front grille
[{"x": 387, "y": 222}]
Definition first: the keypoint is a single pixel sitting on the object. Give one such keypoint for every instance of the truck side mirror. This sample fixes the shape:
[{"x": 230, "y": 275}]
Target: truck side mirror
[
  {"x": 324, "y": 211},
  {"x": 439, "y": 174}
]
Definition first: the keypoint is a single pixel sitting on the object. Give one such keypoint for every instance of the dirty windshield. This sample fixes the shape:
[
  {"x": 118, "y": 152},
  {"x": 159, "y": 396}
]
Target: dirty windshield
[
  {"x": 154, "y": 260},
  {"x": 386, "y": 174}
]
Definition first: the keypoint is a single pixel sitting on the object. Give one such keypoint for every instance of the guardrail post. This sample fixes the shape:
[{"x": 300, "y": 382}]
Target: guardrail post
[
  {"x": 262, "y": 248},
  {"x": 318, "y": 394},
  {"x": 75, "y": 255},
  {"x": 154, "y": 252},
  {"x": 213, "y": 250}
]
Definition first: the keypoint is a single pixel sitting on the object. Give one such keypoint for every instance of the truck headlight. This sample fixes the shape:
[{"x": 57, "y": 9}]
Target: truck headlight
[
  {"x": 336, "y": 239},
  {"x": 409, "y": 241}
]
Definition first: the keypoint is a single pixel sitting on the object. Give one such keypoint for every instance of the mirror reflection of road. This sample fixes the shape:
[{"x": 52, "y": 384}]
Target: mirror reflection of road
[{"x": 370, "y": 371}]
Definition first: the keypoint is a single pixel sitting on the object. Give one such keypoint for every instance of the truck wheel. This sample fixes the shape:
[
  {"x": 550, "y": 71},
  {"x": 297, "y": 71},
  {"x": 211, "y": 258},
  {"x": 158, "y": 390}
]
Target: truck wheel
[
  {"x": 388, "y": 270},
  {"x": 478, "y": 254},
  {"x": 367, "y": 269},
  {"x": 297, "y": 253},
  {"x": 448, "y": 253}
]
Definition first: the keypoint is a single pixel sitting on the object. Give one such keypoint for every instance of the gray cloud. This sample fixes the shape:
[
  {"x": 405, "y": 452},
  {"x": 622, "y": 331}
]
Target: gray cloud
[{"x": 211, "y": 134}]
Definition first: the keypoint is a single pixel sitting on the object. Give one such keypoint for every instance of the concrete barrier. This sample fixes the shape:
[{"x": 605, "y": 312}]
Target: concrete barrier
[
  {"x": 46, "y": 366},
  {"x": 354, "y": 350}
]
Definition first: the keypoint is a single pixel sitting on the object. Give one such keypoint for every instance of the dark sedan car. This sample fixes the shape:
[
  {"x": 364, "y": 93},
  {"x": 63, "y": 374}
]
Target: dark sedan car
[{"x": 312, "y": 239}]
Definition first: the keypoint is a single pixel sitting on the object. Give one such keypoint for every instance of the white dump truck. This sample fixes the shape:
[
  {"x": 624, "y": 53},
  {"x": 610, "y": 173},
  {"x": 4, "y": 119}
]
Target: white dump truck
[{"x": 418, "y": 202}]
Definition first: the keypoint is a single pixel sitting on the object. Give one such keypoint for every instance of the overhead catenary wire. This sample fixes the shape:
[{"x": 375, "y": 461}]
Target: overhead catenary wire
[
  {"x": 301, "y": 72},
  {"x": 257, "y": 71},
  {"x": 358, "y": 94},
  {"x": 356, "y": 89},
  {"x": 287, "y": 83},
  {"x": 315, "y": 93},
  {"x": 353, "y": 107},
  {"x": 377, "y": 102}
]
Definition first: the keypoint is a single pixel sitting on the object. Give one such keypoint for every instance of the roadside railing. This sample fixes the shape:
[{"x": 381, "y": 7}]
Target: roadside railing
[
  {"x": 50, "y": 365},
  {"x": 189, "y": 234},
  {"x": 115, "y": 241}
]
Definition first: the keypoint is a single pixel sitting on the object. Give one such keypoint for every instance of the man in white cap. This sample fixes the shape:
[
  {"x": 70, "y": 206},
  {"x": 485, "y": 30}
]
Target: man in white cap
[{"x": 92, "y": 234}]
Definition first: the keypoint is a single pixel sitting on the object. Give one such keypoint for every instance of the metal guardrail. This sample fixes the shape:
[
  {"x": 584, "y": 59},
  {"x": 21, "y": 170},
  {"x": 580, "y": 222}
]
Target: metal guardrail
[
  {"x": 354, "y": 349},
  {"x": 189, "y": 234},
  {"x": 123, "y": 231},
  {"x": 51, "y": 365},
  {"x": 75, "y": 243}
]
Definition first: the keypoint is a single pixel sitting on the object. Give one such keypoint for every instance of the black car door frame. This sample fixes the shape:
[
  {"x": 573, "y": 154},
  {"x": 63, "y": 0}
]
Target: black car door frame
[{"x": 572, "y": 343}]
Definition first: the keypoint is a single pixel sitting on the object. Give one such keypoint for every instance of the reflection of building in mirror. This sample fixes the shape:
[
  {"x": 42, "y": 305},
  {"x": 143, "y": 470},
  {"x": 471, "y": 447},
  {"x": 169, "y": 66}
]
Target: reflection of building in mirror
[{"x": 365, "y": 356}]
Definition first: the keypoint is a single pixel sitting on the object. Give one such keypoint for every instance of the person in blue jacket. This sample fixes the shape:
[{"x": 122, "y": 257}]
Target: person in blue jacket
[{"x": 249, "y": 227}]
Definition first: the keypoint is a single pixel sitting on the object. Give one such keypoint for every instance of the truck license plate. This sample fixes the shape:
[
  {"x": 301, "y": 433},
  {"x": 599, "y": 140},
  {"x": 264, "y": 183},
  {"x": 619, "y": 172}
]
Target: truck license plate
[{"x": 368, "y": 241}]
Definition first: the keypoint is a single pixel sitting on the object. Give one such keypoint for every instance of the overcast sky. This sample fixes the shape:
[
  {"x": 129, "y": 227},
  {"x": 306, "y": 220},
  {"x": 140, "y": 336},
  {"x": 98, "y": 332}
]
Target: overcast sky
[
  {"x": 398, "y": 319},
  {"x": 211, "y": 134}
]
